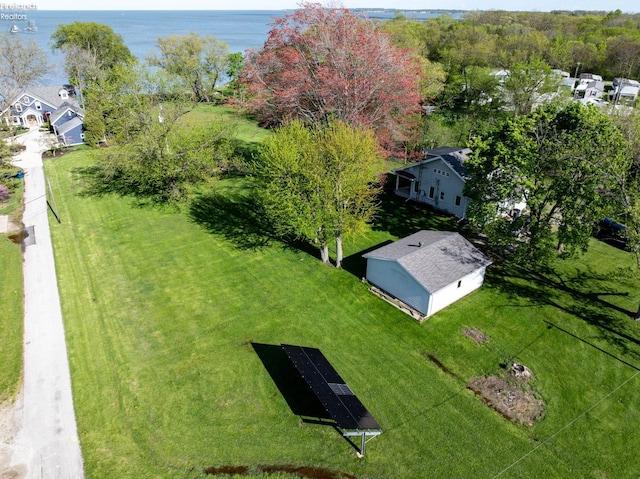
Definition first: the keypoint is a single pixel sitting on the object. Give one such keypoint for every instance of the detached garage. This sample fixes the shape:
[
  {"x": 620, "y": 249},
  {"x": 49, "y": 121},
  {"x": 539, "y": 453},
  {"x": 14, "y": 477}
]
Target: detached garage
[{"x": 428, "y": 270}]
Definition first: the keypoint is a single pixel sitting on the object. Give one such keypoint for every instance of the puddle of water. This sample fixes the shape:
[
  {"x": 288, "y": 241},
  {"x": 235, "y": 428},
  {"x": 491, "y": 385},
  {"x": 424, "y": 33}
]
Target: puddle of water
[
  {"x": 25, "y": 237},
  {"x": 299, "y": 471},
  {"x": 228, "y": 470},
  {"x": 18, "y": 237}
]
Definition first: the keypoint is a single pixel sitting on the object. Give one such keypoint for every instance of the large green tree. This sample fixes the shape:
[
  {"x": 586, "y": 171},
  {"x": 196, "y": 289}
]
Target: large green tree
[
  {"x": 319, "y": 183},
  {"x": 166, "y": 158},
  {"x": 626, "y": 182},
  {"x": 100, "y": 65},
  {"x": 527, "y": 84},
  {"x": 105, "y": 48},
  {"x": 200, "y": 62},
  {"x": 22, "y": 64},
  {"x": 557, "y": 159}
]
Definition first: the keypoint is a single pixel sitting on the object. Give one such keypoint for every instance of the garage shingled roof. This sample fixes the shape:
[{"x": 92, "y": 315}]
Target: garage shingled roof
[{"x": 434, "y": 258}]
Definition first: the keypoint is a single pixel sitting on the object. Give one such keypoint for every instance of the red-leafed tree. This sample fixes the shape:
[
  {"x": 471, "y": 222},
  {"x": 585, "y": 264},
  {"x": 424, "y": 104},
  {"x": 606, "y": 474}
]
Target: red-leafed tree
[{"x": 321, "y": 63}]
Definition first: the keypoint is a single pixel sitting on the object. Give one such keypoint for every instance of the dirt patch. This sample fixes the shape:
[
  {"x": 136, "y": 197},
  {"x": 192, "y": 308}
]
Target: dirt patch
[
  {"x": 8, "y": 430},
  {"x": 227, "y": 470},
  {"x": 297, "y": 471},
  {"x": 11, "y": 226},
  {"x": 474, "y": 333},
  {"x": 438, "y": 363},
  {"x": 19, "y": 236},
  {"x": 56, "y": 153},
  {"x": 510, "y": 395}
]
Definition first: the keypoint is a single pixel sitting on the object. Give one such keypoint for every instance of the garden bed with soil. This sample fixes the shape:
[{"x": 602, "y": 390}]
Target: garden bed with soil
[{"x": 510, "y": 395}]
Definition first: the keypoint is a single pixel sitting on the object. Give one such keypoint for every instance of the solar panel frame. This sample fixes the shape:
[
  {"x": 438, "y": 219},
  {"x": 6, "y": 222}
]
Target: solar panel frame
[{"x": 334, "y": 394}]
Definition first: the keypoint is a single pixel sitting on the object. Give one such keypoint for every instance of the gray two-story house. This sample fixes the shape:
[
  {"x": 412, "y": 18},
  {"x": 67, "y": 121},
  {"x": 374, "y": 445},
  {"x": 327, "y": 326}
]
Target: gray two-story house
[
  {"x": 438, "y": 180},
  {"x": 57, "y": 105}
]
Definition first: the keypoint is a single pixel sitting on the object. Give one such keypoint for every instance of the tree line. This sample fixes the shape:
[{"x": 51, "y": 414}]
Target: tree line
[
  {"x": 341, "y": 92},
  {"x": 604, "y": 43},
  {"x": 312, "y": 82}
]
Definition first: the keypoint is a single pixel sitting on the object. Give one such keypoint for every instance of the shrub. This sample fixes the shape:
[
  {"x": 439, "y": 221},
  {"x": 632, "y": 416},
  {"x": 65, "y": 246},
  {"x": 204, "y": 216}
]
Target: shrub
[{"x": 4, "y": 193}]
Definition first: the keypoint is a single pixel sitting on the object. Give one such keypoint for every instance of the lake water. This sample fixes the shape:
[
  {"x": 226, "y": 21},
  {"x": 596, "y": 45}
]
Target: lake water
[{"x": 241, "y": 29}]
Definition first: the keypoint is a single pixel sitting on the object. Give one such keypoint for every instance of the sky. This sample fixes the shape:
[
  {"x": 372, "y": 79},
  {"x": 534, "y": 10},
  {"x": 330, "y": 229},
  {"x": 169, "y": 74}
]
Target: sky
[{"x": 626, "y": 6}]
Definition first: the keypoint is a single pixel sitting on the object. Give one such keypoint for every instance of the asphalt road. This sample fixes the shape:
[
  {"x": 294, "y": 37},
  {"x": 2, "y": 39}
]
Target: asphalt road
[{"x": 46, "y": 443}]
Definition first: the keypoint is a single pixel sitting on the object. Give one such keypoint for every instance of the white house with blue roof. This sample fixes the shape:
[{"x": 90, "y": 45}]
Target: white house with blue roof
[
  {"x": 428, "y": 270},
  {"x": 438, "y": 180}
]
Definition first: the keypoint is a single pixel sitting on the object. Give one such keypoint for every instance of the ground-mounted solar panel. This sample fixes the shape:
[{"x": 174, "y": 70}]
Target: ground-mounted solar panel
[
  {"x": 341, "y": 389},
  {"x": 334, "y": 394}
]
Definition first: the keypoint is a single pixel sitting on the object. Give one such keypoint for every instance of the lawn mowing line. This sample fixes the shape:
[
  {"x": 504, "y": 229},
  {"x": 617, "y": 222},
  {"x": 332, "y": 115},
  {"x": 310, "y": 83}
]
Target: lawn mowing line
[
  {"x": 566, "y": 426},
  {"x": 163, "y": 352}
]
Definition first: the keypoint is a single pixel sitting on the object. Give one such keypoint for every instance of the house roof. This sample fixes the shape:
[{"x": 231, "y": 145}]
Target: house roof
[
  {"x": 591, "y": 85},
  {"x": 49, "y": 94},
  {"x": 453, "y": 156},
  {"x": 434, "y": 258},
  {"x": 62, "y": 110},
  {"x": 69, "y": 125}
]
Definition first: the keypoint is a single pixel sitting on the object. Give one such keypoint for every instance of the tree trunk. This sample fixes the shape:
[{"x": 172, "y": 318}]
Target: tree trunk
[
  {"x": 338, "y": 250},
  {"x": 324, "y": 253}
]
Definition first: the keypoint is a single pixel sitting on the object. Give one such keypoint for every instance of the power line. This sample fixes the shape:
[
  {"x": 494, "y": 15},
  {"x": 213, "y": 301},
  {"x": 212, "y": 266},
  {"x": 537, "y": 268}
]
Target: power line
[{"x": 569, "y": 424}]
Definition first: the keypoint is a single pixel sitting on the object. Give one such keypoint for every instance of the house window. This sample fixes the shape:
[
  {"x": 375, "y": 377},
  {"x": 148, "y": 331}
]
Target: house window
[
  {"x": 38, "y": 105},
  {"x": 26, "y": 100},
  {"x": 64, "y": 94},
  {"x": 18, "y": 107},
  {"x": 442, "y": 195},
  {"x": 459, "y": 283},
  {"x": 432, "y": 192},
  {"x": 69, "y": 113},
  {"x": 82, "y": 135},
  {"x": 458, "y": 200},
  {"x": 416, "y": 186}
]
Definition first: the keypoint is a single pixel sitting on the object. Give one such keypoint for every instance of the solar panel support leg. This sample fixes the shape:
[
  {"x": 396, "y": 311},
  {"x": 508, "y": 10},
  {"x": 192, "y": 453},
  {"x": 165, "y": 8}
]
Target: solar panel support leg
[{"x": 364, "y": 441}]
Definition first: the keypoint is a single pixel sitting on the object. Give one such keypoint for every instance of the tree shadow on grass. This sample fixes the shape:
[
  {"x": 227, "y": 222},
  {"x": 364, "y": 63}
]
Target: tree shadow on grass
[
  {"x": 236, "y": 217},
  {"x": 92, "y": 181},
  {"x": 402, "y": 218},
  {"x": 247, "y": 151},
  {"x": 584, "y": 295},
  {"x": 356, "y": 264}
]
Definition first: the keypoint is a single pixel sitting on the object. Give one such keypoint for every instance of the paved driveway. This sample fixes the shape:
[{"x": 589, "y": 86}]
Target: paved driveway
[{"x": 46, "y": 444}]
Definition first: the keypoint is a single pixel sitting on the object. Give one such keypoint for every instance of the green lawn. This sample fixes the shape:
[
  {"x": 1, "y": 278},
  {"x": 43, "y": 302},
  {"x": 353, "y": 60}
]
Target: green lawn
[
  {"x": 11, "y": 317},
  {"x": 11, "y": 286},
  {"x": 11, "y": 310},
  {"x": 174, "y": 317}
]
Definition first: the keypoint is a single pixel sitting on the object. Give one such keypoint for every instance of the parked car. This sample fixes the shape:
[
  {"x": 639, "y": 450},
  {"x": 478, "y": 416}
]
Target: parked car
[{"x": 612, "y": 232}]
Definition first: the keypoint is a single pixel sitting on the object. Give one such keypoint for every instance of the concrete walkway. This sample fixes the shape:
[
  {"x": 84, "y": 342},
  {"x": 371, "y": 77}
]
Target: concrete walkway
[{"x": 47, "y": 439}]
